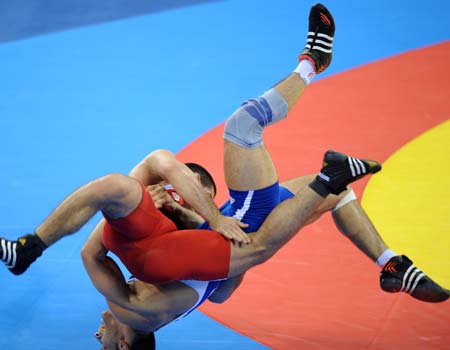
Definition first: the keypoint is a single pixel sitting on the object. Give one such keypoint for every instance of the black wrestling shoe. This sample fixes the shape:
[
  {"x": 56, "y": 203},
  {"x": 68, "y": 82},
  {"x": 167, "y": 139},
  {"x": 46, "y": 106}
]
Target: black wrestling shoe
[
  {"x": 19, "y": 255},
  {"x": 339, "y": 170},
  {"x": 400, "y": 275},
  {"x": 318, "y": 49}
]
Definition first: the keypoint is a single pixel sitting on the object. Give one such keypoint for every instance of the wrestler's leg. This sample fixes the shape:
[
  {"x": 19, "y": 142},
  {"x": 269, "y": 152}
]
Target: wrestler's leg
[
  {"x": 296, "y": 184},
  {"x": 353, "y": 222},
  {"x": 247, "y": 163},
  {"x": 117, "y": 195},
  {"x": 248, "y": 166},
  {"x": 306, "y": 202},
  {"x": 398, "y": 272},
  {"x": 349, "y": 216},
  {"x": 292, "y": 214}
]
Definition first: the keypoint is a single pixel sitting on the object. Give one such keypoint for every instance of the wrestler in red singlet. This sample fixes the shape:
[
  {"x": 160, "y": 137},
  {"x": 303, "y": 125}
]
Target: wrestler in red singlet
[{"x": 155, "y": 251}]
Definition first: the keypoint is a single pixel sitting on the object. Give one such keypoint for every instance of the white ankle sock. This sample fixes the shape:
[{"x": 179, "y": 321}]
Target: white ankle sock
[
  {"x": 306, "y": 71},
  {"x": 385, "y": 257}
]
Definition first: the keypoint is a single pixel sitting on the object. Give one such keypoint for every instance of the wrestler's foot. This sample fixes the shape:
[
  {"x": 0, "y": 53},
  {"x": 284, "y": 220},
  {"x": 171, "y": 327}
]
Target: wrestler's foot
[
  {"x": 319, "y": 44},
  {"x": 19, "y": 255},
  {"x": 400, "y": 275},
  {"x": 339, "y": 170}
]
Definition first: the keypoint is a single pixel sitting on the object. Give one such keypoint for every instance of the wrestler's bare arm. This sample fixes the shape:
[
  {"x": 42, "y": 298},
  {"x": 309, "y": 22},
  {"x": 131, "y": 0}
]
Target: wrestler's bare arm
[
  {"x": 146, "y": 172},
  {"x": 160, "y": 305},
  {"x": 104, "y": 272},
  {"x": 127, "y": 306},
  {"x": 133, "y": 319},
  {"x": 163, "y": 165}
]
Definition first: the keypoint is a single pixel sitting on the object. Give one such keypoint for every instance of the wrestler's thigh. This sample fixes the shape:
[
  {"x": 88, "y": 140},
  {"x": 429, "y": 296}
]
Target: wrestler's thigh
[{"x": 248, "y": 169}]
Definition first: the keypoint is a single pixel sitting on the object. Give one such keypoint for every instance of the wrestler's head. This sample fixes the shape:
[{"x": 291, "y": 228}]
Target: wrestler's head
[
  {"x": 205, "y": 178},
  {"x": 114, "y": 335}
]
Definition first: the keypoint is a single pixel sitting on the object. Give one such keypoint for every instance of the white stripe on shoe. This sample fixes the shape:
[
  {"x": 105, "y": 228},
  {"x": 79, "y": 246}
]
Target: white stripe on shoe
[
  {"x": 356, "y": 165},
  {"x": 14, "y": 256},
  {"x": 8, "y": 247},
  {"x": 319, "y": 48},
  {"x": 419, "y": 277},
  {"x": 3, "y": 249},
  {"x": 323, "y": 176},
  {"x": 352, "y": 169},
  {"x": 411, "y": 279},
  {"x": 361, "y": 164},
  {"x": 319, "y": 42},
  {"x": 324, "y": 43},
  {"x": 320, "y": 35},
  {"x": 9, "y": 256}
]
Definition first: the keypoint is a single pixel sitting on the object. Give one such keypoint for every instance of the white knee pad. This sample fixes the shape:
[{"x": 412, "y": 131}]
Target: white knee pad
[
  {"x": 245, "y": 126},
  {"x": 350, "y": 196}
]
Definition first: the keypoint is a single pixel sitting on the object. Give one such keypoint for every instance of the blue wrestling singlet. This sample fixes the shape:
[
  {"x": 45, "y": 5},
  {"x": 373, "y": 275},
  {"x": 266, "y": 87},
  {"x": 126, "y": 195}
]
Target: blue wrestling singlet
[
  {"x": 204, "y": 289},
  {"x": 253, "y": 207}
]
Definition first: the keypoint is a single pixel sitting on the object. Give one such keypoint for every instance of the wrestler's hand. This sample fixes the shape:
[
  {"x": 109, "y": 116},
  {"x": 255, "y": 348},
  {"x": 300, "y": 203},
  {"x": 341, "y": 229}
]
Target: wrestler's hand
[
  {"x": 185, "y": 217},
  {"x": 230, "y": 228},
  {"x": 161, "y": 198}
]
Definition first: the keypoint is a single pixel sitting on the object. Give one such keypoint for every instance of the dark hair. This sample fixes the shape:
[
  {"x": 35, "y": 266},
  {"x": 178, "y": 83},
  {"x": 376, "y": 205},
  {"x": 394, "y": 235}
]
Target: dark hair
[
  {"x": 205, "y": 177},
  {"x": 144, "y": 342}
]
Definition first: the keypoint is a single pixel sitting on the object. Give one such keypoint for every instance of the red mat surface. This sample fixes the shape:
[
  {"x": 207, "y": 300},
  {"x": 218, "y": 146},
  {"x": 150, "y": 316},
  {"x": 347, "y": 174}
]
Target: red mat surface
[{"x": 319, "y": 292}]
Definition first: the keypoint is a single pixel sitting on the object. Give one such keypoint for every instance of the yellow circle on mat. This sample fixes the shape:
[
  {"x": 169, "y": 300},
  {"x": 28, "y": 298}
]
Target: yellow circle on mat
[{"x": 409, "y": 202}]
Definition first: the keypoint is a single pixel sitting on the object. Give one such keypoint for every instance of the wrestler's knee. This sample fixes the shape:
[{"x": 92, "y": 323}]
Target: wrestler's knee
[
  {"x": 343, "y": 199},
  {"x": 332, "y": 203},
  {"x": 113, "y": 187},
  {"x": 245, "y": 126}
]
